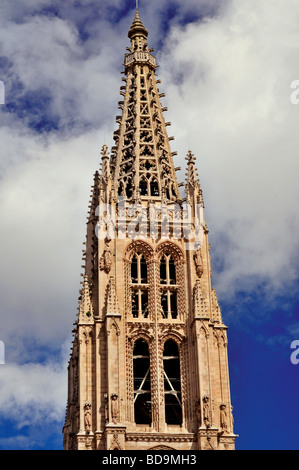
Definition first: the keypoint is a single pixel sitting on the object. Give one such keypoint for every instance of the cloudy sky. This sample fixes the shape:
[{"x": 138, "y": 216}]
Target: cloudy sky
[{"x": 226, "y": 67}]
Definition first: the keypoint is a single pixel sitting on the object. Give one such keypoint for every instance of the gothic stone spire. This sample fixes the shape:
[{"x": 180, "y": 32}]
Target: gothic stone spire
[
  {"x": 141, "y": 160},
  {"x": 149, "y": 360}
]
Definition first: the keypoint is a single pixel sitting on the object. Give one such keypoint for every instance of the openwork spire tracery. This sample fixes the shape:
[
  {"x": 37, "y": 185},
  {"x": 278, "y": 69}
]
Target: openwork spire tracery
[{"x": 141, "y": 161}]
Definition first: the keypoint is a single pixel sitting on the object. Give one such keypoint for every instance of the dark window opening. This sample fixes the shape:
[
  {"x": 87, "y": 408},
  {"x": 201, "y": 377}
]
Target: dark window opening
[
  {"x": 154, "y": 188},
  {"x": 172, "y": 274},
  {"x": 142, "y": 383},
  {"x": 144, "y": 304},
  {"x": 135, "y": 304},
  {"x": 173, "y": 305},
  {"x": 129, "y": 189},
  {"x": 147, "y": 151},
  {"x": 120, "y": 189},
  {"x": 148, "y": 165},
  {"x": 134, "y": 270},
  {"x": 163, "y": 274},
  {"x": 143, "y": 187},
  {"x": 143, "y": 270},
  {"x": 172, "y": 384},
  {"x": 164, "y": 306},
  {"x": 145, "y": 136}
]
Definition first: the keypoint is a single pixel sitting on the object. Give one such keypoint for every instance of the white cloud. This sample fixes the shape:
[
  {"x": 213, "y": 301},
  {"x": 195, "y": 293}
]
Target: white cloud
[
  {"x": 228, "y": 87},
  {"x": 32, "y": 394},
  {"x": 44, "y": 197},
  {"x": 47, "y": 54}
]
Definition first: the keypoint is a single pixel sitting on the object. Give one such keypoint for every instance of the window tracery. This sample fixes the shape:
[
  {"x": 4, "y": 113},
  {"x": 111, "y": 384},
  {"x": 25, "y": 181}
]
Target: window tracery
[
  {"x": 168, "y": 287},
  {"x": 139, "y": 286},
  {"x": 142, "y": 383},
  {"x": 172, "y": 383}
]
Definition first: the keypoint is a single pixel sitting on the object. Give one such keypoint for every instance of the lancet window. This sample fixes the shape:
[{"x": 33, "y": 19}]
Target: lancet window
[
  {"x": 169, "y": 288},
  {"x": 172, "y": 383},
  {"x": 142, "y": 383},
  {"x": 139, "y": 286},
  {"x": 148, "y": 185}
]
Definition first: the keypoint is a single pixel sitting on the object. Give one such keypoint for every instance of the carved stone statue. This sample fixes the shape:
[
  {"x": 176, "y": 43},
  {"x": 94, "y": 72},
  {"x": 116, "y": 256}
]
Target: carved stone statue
[
  {"x": 223, "y": 417},
  {"x": 106, "y": 259},
  {"x": 206, "y": 412},
  {"x": 198, "y": 263},
  {"x": 114, "y": 408},
  {"x": 87, "y": 417}
]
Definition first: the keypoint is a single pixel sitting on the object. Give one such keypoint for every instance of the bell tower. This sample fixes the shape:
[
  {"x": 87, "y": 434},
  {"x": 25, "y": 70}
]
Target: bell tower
[{"x": 148, "y": 367}]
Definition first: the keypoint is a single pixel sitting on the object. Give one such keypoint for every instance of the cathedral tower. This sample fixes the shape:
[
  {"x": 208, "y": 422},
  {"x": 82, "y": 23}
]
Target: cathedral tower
[{"x": 148, "y": 367}]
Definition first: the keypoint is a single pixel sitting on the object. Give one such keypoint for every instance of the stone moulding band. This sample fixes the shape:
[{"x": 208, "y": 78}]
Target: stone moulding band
[
  {"x": 144, "y": 57},
  {"x": 160, "y": 438}
]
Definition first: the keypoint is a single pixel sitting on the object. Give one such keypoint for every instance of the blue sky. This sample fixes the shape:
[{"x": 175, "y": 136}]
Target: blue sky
[{"x": 226, "y": 67}]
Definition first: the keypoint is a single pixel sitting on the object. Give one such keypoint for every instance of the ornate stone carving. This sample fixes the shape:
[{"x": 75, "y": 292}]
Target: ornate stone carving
[
  {"x": 216, "y": 311},
  {"x": 207, "y": 414},
  {"x": 223, "y": 418},
  {"x": 112, "y": 307},
  {"x": 115, "y": 445},
  {"x": 87, "y": 417},
  {"x": 85, "y": 306},
  {"x": 200, "y": 305},
  {"x": 106, "y": 259},
  {"x": 198, "y": 263},
  {"x": 86, "y": 334},
  {"x": 114, "y": 408}
]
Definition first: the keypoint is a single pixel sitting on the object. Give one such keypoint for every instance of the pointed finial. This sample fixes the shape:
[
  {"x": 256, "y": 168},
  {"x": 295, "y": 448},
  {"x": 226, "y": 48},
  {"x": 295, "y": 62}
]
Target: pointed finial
[
  {"x": 190, "y": 157},
  {"x": 137, "y": 27},
  {"x": 105, "y": 153},
  {"x": 105, "y": 163}
]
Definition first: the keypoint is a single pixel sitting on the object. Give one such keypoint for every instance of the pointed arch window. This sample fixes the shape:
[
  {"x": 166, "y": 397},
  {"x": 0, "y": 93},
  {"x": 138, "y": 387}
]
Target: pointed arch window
[
  {"x": 139, "y": 286},
  {"x": 142, "y": 383},
  {"x": 143, "y": 186},
  {"x": 125, "y": 187},
  {"x": 172, "y": 383},
  {"x": 169, "y": 287},
  {"x": 154, "y": 187},
  {"x": 149, "y": 185}
]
